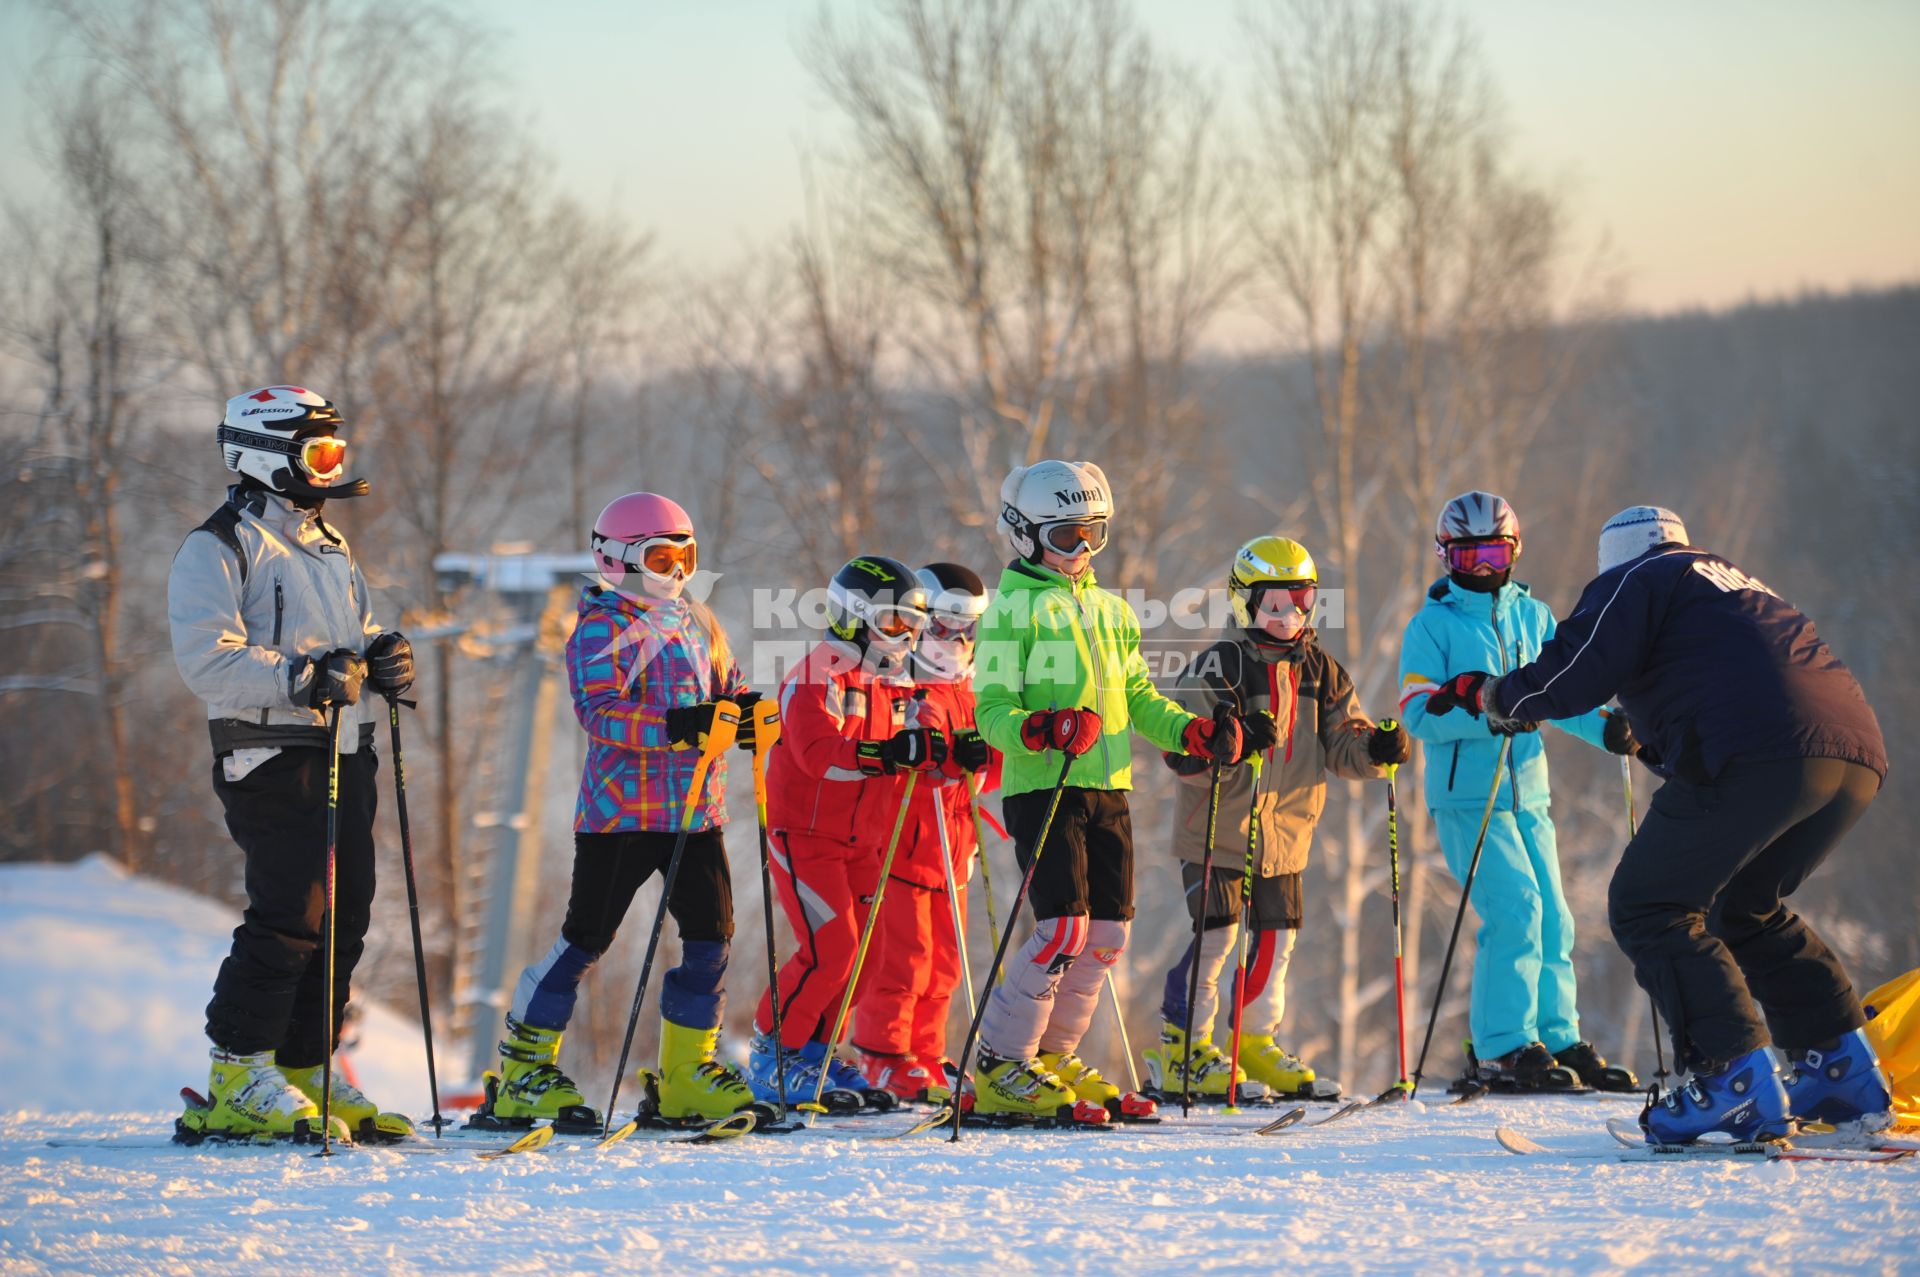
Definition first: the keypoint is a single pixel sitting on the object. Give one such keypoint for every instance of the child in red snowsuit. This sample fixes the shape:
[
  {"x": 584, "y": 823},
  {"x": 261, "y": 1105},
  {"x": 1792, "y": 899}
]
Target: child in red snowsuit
[
  {"x": 834, "y": 786},
  {"x": 900, "y": 1017}
]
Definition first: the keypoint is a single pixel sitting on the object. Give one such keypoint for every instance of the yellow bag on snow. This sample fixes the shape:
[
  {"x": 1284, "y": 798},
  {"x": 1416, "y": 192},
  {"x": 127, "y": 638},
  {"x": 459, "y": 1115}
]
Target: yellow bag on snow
[{"x": 1893, "y": 1026}]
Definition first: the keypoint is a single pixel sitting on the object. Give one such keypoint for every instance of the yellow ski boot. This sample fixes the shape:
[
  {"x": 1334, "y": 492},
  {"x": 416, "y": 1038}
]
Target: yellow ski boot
[
  {"x": 531, "y": 1088},
  {"x": 1267, "y": 1064},
  {"x": 1083, "y": 1078},
  {"x": 248, "y": 1098},
  {"x": 692, "y": 1083},
  {"x": 1212, "y": 1075},
  {"x": 1025, "y": 1090},
  {"x": 350, "y": 1105}
]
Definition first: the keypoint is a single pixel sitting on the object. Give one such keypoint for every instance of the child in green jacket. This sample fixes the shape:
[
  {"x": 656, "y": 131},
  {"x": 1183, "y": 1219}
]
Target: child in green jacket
[{"x": 1060, "y": 681}]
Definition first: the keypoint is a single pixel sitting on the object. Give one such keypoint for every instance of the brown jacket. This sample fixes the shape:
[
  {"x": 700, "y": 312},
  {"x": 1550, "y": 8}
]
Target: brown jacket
[{"x": 1321, "y": 730}]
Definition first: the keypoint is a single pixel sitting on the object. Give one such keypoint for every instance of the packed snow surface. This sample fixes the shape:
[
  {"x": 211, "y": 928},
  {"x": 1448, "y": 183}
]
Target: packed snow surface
[{"x": 1419, "y": 1187}]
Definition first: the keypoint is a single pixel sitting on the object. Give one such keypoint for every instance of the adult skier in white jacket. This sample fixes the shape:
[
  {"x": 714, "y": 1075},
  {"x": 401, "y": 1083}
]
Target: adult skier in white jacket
[{"x": 273, "y": 628}]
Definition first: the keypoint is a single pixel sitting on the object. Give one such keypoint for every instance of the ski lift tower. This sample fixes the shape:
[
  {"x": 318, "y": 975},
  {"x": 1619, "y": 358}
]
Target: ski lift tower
[{"x": 494, "y": 934}]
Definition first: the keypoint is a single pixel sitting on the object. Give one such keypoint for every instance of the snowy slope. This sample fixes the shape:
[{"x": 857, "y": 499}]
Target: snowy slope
[
  {"x": 107, "y": 979},
  {"x": 1412, "y": 1189}
]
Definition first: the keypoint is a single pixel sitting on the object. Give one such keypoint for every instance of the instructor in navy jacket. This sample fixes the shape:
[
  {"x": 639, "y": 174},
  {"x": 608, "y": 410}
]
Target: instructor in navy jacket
[{"x": 1771, "y": 753}]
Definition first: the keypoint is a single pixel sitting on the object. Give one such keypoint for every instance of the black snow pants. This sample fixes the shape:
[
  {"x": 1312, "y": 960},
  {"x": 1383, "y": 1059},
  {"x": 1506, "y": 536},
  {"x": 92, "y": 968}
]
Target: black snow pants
[
  {"x": 271, "y": 990},
  {"x": 1698, "y": 904}
]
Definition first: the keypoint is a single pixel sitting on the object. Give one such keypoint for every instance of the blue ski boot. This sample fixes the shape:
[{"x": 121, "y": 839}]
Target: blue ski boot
[
  {"x": 1840, "y": 1084},
  {"x": 1743, "y": 1098},
  {"x": 842, "y": 1076},
  {"x": 803, "y": 1076}
]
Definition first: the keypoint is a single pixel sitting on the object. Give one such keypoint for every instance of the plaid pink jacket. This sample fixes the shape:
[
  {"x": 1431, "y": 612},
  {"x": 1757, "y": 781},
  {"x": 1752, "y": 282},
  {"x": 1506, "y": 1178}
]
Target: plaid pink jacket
[{"x": 628, "y": 663}]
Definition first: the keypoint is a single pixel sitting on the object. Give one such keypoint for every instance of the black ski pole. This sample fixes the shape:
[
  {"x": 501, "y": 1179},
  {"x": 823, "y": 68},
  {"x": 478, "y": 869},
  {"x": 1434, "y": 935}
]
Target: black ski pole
[
  {"x": 333, "y": 850},
  {"x": 1653, "y": 1007},
  {"x": 1221, "y": 713},
  {"x": 726, "y": 724},
  {"x": 1246, "y": 936},
  {"x": 1000, "y": 950},
  {"x": 413, "y": 899},
  {"x": 766, "y": 730},
  {"x": 1466, "y": 889},
  {"x": 1399, "y": 1089}
]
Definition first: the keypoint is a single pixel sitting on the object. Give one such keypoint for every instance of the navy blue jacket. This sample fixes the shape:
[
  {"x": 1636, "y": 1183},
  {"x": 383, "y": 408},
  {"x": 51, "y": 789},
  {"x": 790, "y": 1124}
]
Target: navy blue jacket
[{"x": 1709, "y": 664}]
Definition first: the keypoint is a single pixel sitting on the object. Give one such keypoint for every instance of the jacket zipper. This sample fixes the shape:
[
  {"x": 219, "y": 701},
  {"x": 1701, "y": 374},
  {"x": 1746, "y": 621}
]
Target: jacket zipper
[
  {"x": 1500, "y": 647},
  {"x": 279, "y": 611},
  {"x": 1454, "y": 768}
]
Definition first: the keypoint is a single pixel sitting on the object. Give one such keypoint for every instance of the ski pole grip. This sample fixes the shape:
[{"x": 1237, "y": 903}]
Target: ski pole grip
[
  {"x": 1390, "y": 725},
  {"x": 726, "y": 726},
  {"x": 766, "y": 724}
]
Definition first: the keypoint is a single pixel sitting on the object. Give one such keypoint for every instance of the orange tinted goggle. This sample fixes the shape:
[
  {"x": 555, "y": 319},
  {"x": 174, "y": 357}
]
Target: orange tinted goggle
[
  {"x": 323, "y": 456},
  {"x": 896, "y": 622},
  {"x": 663, "y": 556},
  {"x": 1275, "y": 599}
]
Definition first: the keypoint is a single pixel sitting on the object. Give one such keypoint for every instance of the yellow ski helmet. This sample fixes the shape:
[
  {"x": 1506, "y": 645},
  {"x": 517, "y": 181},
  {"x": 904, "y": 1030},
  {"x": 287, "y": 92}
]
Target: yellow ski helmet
[{"x": 1277, "y": 562}]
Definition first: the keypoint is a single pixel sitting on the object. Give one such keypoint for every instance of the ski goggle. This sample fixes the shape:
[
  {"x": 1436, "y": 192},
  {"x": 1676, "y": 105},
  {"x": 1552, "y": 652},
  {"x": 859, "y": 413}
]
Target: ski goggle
[
  {"x": 1465, "y": 556},
  {"x": 952, "y": 628},
  {"x": 323, "y": 457},
  {"x": 1273, "y": 599},
  {"x": 1069, "y": 535},
  {"x": 661, "y": 556},
  {"x": 897, "y": 622}
]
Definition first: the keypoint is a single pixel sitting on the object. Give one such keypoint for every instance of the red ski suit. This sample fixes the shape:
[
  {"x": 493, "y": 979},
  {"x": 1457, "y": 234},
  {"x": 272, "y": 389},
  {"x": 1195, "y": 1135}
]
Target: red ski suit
[
  {"x": 902, "y": 1004},
  {"x": 828, "y": 822}
]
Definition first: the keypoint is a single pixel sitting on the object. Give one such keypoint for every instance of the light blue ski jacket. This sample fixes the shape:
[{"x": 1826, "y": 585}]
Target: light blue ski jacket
[{"x": 1456, "y": 631}]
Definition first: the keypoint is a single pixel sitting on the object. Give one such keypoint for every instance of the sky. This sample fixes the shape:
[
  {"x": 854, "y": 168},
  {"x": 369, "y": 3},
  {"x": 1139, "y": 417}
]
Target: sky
[{"x": 1723, "y": 149}]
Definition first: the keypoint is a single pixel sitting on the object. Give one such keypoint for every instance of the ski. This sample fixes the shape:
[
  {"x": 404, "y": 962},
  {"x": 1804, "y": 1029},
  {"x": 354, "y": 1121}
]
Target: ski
[
  {"x": 1640, "y": 1151},
  {"x": 537, "y": 1138}
]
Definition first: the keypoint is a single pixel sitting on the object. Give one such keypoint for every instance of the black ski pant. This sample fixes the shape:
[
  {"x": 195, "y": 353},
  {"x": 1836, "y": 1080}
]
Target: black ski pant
[
  {"x": 1698, "y": 904},
  {"x": 270, "y": 994}
]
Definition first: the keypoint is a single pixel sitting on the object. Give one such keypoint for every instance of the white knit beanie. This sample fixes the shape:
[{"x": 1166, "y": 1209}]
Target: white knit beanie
[{"x": 1637, "y": 529}]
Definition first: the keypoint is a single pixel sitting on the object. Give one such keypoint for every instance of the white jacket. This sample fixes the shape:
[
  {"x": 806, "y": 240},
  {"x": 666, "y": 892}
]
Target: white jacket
[{"x": 242, "y": 613}]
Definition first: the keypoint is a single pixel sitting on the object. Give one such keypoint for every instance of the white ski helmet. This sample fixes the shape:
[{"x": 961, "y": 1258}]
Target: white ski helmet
[
  {"x": 956, "y": 599},
  {"x": 287, "y": 438},
  {"x": 1475, "y": 516},
  {"x": 1637, "y": 529},
  {"x": 1037, "y": 497}
]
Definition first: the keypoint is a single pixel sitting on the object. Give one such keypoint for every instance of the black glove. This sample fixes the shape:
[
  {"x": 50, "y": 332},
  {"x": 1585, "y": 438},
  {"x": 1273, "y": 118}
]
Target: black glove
[
  {"x": 1617, "y": 735},
  {"x": 1259, "y": 732},
  {"x": 332, "y": 678},
  {"x": 1387, "y": 745},
  {"x": 1462, "y": 691},
  {"x": 390, "y": 664},
  {"x": 971, "y": 751},
  {"x": 743, "y": 735},
  {"x": 914, "y": 749},
  {"x": 1511, "y": 726},
  {"x": 689, "y": 724}
]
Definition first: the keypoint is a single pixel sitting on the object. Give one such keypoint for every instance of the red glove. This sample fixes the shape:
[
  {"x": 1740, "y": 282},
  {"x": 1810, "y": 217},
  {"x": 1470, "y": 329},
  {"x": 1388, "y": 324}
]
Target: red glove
[
  {"x": 1071, "y": 731},
  {"x": 1212, "y": 738},
  {"x": 1462, "y": 691}
]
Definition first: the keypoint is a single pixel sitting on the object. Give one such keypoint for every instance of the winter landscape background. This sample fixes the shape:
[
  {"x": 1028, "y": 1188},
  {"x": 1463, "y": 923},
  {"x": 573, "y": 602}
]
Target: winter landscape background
[{"x": 1306, "y": 281}]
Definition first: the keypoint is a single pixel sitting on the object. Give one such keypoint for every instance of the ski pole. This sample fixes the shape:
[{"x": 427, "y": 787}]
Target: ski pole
[
  {"x": 333, "y": 858},
  {"x": 1221, "y": 712},
  {"x": 1120, "y": 1023},
  {"x": 1000, "y": 949},
  {"x": 986, "y": 871},
  {"x": 413, "y": 899},
  {"x": 1653, "y": 1007},
  {"x": 766, "y": 730},
  {"x": 1466, "y": 889},
  {"x": 873, "y": 920},
  {"x": 726, "y": 725},
  {"x": 953, "y": 898},
  {"x": 1399, "y": 1089},
  {"x": 1246, "y": 930}
]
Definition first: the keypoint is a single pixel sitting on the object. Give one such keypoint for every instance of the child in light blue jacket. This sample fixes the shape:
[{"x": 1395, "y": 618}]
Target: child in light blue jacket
[{"x": 1523, "y": 1015}]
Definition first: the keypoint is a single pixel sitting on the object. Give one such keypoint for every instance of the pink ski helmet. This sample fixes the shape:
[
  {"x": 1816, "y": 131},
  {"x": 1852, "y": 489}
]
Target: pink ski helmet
[{"x": 623, "y": 528}]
